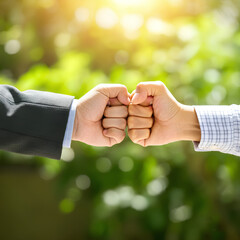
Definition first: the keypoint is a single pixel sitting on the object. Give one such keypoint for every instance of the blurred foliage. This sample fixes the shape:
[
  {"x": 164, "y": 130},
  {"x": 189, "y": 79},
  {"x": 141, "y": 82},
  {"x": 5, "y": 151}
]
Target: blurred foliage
[{"x": 168, "y": 192}]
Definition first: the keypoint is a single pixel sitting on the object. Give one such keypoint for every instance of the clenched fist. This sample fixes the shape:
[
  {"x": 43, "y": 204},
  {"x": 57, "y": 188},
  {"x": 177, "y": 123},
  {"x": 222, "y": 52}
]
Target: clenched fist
[
  {"x": 171, "y": 121},
  {"x": 105, "y": 100}
]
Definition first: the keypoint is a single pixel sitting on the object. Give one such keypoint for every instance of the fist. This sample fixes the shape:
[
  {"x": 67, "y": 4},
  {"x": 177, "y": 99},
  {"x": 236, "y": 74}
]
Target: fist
[
  {"x": 114, "y": 121},
  {"x": 140, "y": 120},
  {"x": 163, "y": 127},
  {"x": 105, "y": 100}
]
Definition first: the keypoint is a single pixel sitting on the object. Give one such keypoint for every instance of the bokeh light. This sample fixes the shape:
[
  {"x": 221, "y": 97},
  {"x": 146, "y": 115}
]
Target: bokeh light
[
  {"x": 82, "y": 14},
  {"x": 111, "y": 198},
  {"x": 12, "y": 47},
  {"x": 103, "y": 165},
  {"x": 66, "y": 205},
  {"x": 126, "y": 164},
  {"x": 68, "y": 154},
  {"x": 127, "y": 191},
  {"x": 62, "y": 39},
  {"x": 181, "y": 214},
  {"x": 132, "y": 22},
  {"x": 106, "y": 18},
  {"x": 157, "y": 26},
  {"x": 83, "y": 182},
  {"x": 156, "y": 186},
  {"x": 139, "y": 203},
  {"x": 130, "y": 2}
]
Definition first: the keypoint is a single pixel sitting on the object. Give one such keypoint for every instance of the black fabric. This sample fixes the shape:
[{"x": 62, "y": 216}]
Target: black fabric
[{"x": 33, "y": 122}]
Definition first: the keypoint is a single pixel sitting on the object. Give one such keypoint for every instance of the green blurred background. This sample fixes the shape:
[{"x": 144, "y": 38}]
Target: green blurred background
[{"x": 125, "y": 192}]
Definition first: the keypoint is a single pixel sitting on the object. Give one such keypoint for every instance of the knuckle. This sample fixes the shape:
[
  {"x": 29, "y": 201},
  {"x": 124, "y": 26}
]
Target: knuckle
[
  {"x": 113, "y": 142},
  {"x": 123, "y": 87},
  {"x": 147, "y": 133},
  {"x": 120, "y": 87},
  {"x": 106, "y": 111},
  {"x": 135, "y": 140},
  {"x": 141, "y": 142},
  {"x": 140, "y": 85},
  {"x": 134, "y": 133},
  {"x": 125, "y": 111},
  {"x": 123, "y": 135},
  {"x": 160, "y": 84},
  {"x": 100, "y": 86},
  {"x": 130, "y": 134},
  {"x": 112, "y": 131},
  {"x": 151, "y": 122},
  {"x": 131, "y": 109},
  {"x": 123, "y": 123},
  {"x": 109, "y": 131},
  {"x": 130, "y": 122},
  {"x": 104, "y": 122},
  {"x": 150, "y": 110}
]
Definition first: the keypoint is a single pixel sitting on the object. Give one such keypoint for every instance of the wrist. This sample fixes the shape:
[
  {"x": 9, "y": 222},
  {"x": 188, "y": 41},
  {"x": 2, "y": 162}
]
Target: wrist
[
  {"x": 188, "y": 124},
  {"x": 75, "y": 127},
  {"x": 75, "y": 134}
]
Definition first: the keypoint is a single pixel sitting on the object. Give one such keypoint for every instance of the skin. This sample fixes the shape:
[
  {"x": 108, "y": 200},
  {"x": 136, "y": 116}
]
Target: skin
[
  {"x": 154, "y": 116},
  {"x": 105, "y": 100},
  {"x": 172, "y": 121}
]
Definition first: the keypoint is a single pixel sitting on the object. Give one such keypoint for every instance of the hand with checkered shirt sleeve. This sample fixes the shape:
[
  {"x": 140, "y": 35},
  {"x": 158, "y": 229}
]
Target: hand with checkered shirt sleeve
[
  {"x": 220, "y": 129},
  {"x": 211, "y": 128}
]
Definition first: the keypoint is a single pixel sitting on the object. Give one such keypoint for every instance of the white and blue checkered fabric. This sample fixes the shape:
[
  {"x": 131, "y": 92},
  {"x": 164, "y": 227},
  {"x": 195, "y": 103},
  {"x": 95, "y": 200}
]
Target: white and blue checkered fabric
[{"x": 220, "y": 129}]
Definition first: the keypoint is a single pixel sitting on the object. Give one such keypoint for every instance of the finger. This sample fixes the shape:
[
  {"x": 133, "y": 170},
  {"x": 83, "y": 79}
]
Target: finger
[
  {"x": 132, "y": 94},
  {"x": 116, "y": 135},
  {"x": 116, "y": 112},
  {"x": 137, "y": 135},
  {"x": 138, "y": 122},
  {"x": 119, "y": 123},
  {"x": 147, "y": 102},
  {"x": 146, "y": 89},
  {"x": 114, "y": 102},
  {"x": 118, "y": 91},
  {"x": 142, "y": 143},
  {"x": 139, "y": 111}
]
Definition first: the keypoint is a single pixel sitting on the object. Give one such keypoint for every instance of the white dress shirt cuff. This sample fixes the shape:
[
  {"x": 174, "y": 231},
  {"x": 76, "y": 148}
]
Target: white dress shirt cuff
[
  {"x": 220, "y": 129},
  {"x": 69, "y": 129}
]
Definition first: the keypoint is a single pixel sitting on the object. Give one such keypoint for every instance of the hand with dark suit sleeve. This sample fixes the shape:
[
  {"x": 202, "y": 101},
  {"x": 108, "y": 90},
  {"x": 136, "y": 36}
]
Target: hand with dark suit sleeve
[
  {"x": 106, "y": 100},
  {"x": 35, "y": 122}
]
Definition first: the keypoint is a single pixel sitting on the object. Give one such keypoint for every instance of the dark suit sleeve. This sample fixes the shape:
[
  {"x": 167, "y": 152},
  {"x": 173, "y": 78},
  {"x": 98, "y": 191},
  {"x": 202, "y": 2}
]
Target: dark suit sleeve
[{"x": 33, "y": 122}]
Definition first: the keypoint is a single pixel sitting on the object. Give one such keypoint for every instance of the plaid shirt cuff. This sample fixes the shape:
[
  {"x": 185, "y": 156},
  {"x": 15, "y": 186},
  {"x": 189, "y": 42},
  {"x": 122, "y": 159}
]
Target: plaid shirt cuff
[{"x": 220, "y": 129}]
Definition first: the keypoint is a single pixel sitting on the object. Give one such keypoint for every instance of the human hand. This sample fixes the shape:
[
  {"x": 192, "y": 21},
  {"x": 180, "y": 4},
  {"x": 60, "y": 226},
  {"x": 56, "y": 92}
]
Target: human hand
[
  {"x": 109, "y": 100},
  {"x": 172, "y": 121}
]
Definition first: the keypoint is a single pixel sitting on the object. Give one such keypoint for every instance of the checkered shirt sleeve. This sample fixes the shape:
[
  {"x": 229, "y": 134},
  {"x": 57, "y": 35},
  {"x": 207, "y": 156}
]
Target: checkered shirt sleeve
[{"x": 220, "y": 129}]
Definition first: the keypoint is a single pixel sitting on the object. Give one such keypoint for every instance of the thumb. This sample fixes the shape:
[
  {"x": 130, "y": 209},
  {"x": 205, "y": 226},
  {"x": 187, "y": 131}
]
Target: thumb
[
  {"x": 146, "y": 89},
  {"x": 115, "y": 91}
]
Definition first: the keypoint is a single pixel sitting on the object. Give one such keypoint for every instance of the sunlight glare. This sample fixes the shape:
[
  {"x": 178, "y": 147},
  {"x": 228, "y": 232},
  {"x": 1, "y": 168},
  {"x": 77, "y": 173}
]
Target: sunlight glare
[
  {"x": 157, "y": 26},
  {"x": 132, "y": 22},
  {"x": 106, "y": 18},
  {"x": 82, "y": 14},
  {"x": 130, "y": 2}
]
